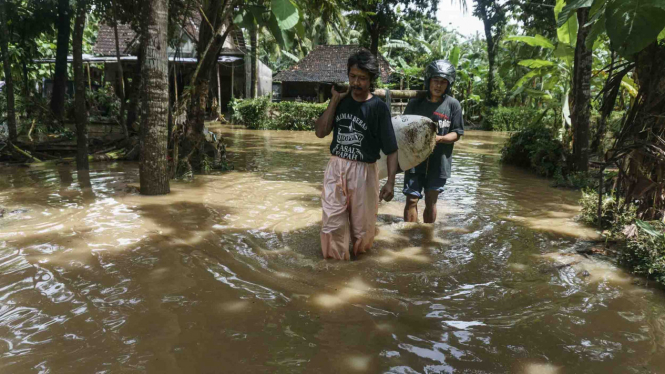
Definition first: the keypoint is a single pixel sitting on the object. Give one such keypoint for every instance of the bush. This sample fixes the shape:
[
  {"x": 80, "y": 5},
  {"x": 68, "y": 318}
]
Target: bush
[
  {"x": 103, "y": 102},
  {"x": 260, "y": 113},
  {"x": 645, "y": 251},
  {"x": 252, "y": 113},
  {"x": 289, "y": 115},
  {"x": 615, "y": 214},
  {"x": 576, "y": 180},
  {"x": 515, "y": 118},
  {"x": 535, "y": 147}
]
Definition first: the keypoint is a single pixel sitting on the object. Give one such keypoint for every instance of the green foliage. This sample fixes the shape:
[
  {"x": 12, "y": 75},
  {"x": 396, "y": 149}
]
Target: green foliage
[
  {"x": 634, "y": 24},
  {"x": 513, "y": 118},
  {"x": 289, "y": 115},
  {"x": 575, "y": 180},
  {"x": 103, "y": 102},
  {"x": 535, "y": 147},
  {"x": 630, "y": 24},
  {"x": 645, "y": 252},
  {"x": 260, "y": 113},
  {"x": 252, "y": 113},
  {"x": 533, "y": 41},
  {"x": 615, "y": 213}
]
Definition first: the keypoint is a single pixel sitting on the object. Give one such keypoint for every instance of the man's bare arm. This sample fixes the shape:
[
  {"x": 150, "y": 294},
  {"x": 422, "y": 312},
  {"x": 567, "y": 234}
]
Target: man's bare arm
[
  {"x": 388, "y": 190},
  {"x": 449, "y": 138}
]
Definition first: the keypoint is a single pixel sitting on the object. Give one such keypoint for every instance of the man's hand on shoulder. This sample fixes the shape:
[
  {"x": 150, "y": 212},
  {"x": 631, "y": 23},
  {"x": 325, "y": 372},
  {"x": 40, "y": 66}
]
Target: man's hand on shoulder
[{"x": 338, "y": 96}]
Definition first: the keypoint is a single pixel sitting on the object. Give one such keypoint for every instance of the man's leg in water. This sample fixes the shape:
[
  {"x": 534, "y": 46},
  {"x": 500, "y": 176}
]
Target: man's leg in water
[
  {"x": 335, "y": 233},
  {"x": 431, "y": 197},
  {"x": 363, "y": 189},
  {"x": 434, "y": 186},
  {"x": 411, "y": 209},
  {"x": 413, "y": 183}
]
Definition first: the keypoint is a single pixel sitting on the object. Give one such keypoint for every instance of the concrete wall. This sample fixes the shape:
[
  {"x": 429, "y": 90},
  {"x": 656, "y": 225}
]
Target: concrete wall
[{"x": 265, "y": 78}]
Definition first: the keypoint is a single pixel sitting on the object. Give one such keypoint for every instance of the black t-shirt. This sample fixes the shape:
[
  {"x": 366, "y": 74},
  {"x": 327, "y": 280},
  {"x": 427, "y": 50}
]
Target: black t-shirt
[
  {"x": 447, "y": 114},
  {"x": 362, "y": 129}
]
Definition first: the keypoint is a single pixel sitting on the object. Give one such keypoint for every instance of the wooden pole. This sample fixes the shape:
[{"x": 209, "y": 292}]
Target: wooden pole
[
  {"x": 232, "y": 79},
  {"x": 89, "y": 78},
  {"x": 219, "y": 92},
  {"x": 175, "y": 82},
  {"x": 396, "y": 94}
]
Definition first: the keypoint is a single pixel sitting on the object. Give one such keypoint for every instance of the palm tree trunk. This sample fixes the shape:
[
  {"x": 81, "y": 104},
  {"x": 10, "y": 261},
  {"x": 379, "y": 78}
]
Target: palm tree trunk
[
  {"x": 374, "y": 34},
  {"x": 491, "y": 56},
  {"x": 60, "y": 78},
  {"x": 9, "y": 82},
  {"x": 79, "y": 82},
  {"x": 581, "y": 110},
  {"x": 609, "y": 99},
  {"x": 134, "y": 93},
  {"x": 254, "y": 40},
  {"x": 649, "y": 130},
  {"x": 121, "y": 75},
  {"x": 153, "y": 166}
]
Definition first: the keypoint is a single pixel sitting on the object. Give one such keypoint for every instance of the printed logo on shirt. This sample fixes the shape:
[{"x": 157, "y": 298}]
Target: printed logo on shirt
[
  {"x": 444, "y": 124},
  {"x": 443, "y": 121},
  {"x": 349, "y": 139},
  {"x": 347, "y": 152}
]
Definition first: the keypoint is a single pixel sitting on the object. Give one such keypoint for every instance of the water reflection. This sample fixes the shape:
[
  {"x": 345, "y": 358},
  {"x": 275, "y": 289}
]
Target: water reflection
[{"x": 225, "y": 274}]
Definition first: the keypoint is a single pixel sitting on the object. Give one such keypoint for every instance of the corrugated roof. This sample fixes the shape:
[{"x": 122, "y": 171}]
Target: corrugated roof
[{"x": 327, "y": 63}]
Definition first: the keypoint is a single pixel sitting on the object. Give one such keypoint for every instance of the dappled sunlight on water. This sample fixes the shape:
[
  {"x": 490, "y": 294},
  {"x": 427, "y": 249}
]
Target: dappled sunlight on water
[{"x": 225, "y": 274}]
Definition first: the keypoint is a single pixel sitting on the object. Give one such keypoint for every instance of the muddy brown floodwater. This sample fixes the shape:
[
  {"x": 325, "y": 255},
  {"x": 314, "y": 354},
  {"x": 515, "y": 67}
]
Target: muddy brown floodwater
[{"x": 225, "y": 275}]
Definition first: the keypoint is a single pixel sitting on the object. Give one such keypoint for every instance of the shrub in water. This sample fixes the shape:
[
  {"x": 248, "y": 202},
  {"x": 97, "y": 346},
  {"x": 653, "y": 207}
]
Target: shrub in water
[
  {"x": 614, "y": 213},
  {"x": 260, "y": 113},
  {"x": 252, "y": 113},
  {"x": 290, "y": 115},
  {"x": 645, "y": 251},
  {"x": 515, "y": 118},
  {"x": 535, "y": 147},
  {"x": 576, "y": 180}
]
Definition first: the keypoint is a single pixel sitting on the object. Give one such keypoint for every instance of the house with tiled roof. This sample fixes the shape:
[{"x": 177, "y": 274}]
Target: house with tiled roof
[
  {"x": 312, "y": 77},
  {"x": 233, "y": 73}
]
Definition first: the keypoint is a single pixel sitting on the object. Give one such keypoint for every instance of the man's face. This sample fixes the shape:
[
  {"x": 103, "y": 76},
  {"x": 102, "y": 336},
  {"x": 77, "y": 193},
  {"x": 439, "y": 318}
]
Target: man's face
[
  {"x": 359, "y": 81},
  {"x": 438, "y": 86}
]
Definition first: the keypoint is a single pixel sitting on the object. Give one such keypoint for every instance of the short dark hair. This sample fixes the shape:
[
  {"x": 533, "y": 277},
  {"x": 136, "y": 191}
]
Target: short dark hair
[{"x": 365, "y": 61}]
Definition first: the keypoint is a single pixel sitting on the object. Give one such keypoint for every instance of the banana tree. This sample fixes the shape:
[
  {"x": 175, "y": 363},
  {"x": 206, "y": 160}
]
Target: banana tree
[
  {"x": 549, "y": 77},
  {"x": 636, "y": 31},
  {"x": 324, "y": 23}
]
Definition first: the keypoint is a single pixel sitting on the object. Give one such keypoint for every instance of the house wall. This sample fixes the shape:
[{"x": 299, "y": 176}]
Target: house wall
[
  {"x": 236, "y": 68},
  {"x": 265, "y": 78}
]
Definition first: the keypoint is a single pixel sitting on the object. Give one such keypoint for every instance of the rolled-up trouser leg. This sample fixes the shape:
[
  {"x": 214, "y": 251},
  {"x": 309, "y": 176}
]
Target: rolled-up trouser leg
[
  {"x": 363, "y": 190},
  {"x": 334, "y": 199}
]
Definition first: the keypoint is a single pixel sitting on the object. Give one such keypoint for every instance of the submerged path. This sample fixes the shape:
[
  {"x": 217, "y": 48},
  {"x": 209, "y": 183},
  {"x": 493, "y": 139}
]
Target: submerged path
[{"x": 225, "y": 275}]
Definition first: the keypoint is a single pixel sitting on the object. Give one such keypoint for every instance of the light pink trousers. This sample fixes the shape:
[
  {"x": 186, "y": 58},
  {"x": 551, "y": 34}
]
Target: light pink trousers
[{"x": 350, "y": 200}]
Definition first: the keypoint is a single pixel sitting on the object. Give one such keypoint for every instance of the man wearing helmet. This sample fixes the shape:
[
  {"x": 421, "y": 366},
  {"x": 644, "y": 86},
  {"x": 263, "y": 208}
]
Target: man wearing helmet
[{"x": 446, "y": 111}]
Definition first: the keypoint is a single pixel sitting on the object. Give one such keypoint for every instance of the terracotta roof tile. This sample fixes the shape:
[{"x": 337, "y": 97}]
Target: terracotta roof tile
[
  {"x": 326, "y": 63},
  {"x": 105, "y": 45}
]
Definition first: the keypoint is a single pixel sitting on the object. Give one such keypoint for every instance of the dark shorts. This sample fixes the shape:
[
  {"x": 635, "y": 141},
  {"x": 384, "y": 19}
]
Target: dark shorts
[{"x": 415, "y": 182}]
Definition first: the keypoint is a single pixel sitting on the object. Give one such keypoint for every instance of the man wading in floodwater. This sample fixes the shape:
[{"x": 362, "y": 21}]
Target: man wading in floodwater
[
  {"x": 362, "y": 127},
  {"x": 444, "y": 110}
]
